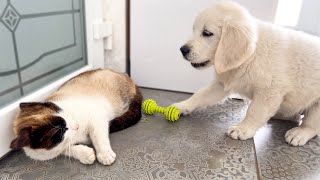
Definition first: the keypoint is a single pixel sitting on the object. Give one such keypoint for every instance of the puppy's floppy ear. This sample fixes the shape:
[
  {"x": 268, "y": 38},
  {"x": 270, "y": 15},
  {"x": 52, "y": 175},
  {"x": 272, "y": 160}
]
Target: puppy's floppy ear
[{"x": 237, "y": 43}]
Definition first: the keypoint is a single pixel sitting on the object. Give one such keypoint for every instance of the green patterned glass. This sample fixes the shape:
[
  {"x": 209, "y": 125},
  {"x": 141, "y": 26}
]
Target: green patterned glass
[{"x": 40, "y": 42}]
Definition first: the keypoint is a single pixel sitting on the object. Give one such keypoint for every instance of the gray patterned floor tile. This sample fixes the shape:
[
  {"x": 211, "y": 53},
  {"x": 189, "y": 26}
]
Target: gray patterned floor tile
[
  {"x": 279, "y": 160},
  {"x": 195, "y": 147}
]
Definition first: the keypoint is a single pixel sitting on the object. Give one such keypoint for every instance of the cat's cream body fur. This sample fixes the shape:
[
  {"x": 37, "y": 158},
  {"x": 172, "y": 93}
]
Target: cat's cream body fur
[
  {"x": 85, "y": 107},
  {"x": 84, "y": 116}
]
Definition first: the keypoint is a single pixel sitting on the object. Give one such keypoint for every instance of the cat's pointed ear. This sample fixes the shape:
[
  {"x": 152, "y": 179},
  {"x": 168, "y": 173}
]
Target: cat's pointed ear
[
  {"x": 22, "y": 140},
  {"x": 38, "y": 105},
  {"x": 26, "y": 106}
]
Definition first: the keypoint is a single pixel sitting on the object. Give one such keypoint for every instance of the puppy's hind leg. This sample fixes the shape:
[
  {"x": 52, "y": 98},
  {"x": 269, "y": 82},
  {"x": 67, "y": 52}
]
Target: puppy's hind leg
[{"x": 309, "y": 128}]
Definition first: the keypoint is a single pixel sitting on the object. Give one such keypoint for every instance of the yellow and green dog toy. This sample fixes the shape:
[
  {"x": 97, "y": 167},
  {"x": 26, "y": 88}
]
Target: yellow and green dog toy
[{"x": 150, "y": 106}]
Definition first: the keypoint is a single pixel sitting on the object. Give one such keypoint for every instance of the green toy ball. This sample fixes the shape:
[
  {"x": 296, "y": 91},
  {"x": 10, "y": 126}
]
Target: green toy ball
[{"x": 150, "y": 106}]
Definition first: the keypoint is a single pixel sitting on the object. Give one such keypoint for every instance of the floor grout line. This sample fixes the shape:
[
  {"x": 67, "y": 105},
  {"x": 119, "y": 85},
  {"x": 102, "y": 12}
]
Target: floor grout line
[{"x": 258, "y": 169}]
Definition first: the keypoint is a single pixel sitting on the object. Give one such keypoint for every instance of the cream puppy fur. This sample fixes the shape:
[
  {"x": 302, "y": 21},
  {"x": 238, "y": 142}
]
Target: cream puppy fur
[{"x": 278, "y": 69}]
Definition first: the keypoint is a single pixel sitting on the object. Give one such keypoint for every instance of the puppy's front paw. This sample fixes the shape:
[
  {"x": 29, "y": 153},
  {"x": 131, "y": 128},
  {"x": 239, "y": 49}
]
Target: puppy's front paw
[
  {"x": 106, "y": 157},
  {"x": 299, "y": 136},
  {"x": 87, "y": 156},
  {"x": 184, "y": 107},
  {"x": 241, "y": 132}
]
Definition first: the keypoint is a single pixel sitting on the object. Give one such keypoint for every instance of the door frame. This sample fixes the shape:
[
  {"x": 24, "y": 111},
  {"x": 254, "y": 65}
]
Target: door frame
[{"x": 95, "y": 59}]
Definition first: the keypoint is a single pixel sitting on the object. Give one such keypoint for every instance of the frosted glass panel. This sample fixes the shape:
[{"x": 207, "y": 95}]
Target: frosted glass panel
[
  {"x": 38, "y": 81},
  {"x": 6, "y": 50},
  {"x": 9, "y": 96},
  {"x": 9, "y": 81},
  {"x": 59, "y": 37},
  {"x": 2, "y": 5},
  {"x": 26, "y": 7},
  {"x": 40, "y": 42}
]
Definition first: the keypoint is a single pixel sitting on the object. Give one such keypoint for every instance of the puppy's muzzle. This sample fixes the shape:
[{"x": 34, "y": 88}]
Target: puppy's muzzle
[{"x": 185, "y": 50}]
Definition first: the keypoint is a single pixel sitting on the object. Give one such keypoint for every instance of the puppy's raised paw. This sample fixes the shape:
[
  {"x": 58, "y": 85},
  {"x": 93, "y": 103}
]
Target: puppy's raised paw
[
  {"x": 241, "y": 132},
  {"x": 184, "y": 107}
]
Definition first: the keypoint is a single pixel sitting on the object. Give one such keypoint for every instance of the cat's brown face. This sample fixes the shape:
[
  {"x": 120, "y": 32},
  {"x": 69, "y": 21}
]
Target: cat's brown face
[{"x": 37, "y": 126}]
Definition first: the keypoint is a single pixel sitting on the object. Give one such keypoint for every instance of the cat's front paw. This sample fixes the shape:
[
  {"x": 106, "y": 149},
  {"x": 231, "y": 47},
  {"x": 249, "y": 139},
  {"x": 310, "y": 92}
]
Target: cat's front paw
[
  {"x": 107, "y": 157},
  {"x": 87, "y": 156}
]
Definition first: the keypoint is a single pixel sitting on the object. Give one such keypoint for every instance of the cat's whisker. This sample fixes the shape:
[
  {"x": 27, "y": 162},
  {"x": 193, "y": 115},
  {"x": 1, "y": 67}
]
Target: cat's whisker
[
  {"x": 61, "y": 134},
  {"x": 53, "y": 125},
  {"x": 65, "y": 157},
  {"x": 53, "y": 133},
  {"x": 70, "y": 143},
  {"x": 51, "y": 130},
  {"x": 69, "y": 147},
  {"x": 71, "y": 151}
]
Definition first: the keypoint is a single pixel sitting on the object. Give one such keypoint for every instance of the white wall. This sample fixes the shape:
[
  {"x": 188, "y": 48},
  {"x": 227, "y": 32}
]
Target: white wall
[
  {"x": 309, "y": 20},
  {"x": 115, "y": 10}
]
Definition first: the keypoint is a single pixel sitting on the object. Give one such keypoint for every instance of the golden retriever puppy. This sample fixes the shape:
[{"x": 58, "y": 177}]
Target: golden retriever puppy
[{"x": 278, "y": 69}]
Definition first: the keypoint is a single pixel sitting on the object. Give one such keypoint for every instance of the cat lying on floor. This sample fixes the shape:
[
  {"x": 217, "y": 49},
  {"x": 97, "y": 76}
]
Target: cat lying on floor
[{"x": 79, "y": 113}]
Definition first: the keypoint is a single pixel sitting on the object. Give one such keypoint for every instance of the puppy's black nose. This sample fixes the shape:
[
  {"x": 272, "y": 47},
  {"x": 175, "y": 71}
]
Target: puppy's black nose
[{"x": 185, "y": 50}]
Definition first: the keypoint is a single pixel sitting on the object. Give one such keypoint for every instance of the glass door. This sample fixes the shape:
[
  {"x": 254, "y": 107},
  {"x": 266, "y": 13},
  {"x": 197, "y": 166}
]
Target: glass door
[
  {"x": 43, "y": 43},
  {"x": 39, "y": 44}
]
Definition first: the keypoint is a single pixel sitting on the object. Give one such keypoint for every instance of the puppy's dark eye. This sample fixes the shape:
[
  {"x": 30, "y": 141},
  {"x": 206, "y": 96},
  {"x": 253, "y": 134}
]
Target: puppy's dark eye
[{"x": 207, "y": 33}]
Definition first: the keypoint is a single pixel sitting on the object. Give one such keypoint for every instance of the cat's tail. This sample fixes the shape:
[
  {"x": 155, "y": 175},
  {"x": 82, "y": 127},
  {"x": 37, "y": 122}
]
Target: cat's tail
[{"x": 129, "y": 118}]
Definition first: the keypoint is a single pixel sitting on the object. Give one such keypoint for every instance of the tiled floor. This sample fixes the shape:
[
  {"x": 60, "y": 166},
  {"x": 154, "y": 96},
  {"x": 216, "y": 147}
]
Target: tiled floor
[
  {"x": 279, "y": 160},
  {"x": 195, "y": 147}
]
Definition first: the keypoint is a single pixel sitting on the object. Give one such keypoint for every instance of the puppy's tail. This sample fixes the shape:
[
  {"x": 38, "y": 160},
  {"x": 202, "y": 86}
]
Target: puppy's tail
[{"x": 129, "y": 118}]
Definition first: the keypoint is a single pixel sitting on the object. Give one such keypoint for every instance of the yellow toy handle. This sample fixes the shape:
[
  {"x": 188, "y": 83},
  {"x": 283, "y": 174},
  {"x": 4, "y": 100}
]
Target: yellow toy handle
[{"x": 150, "y": 106}]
